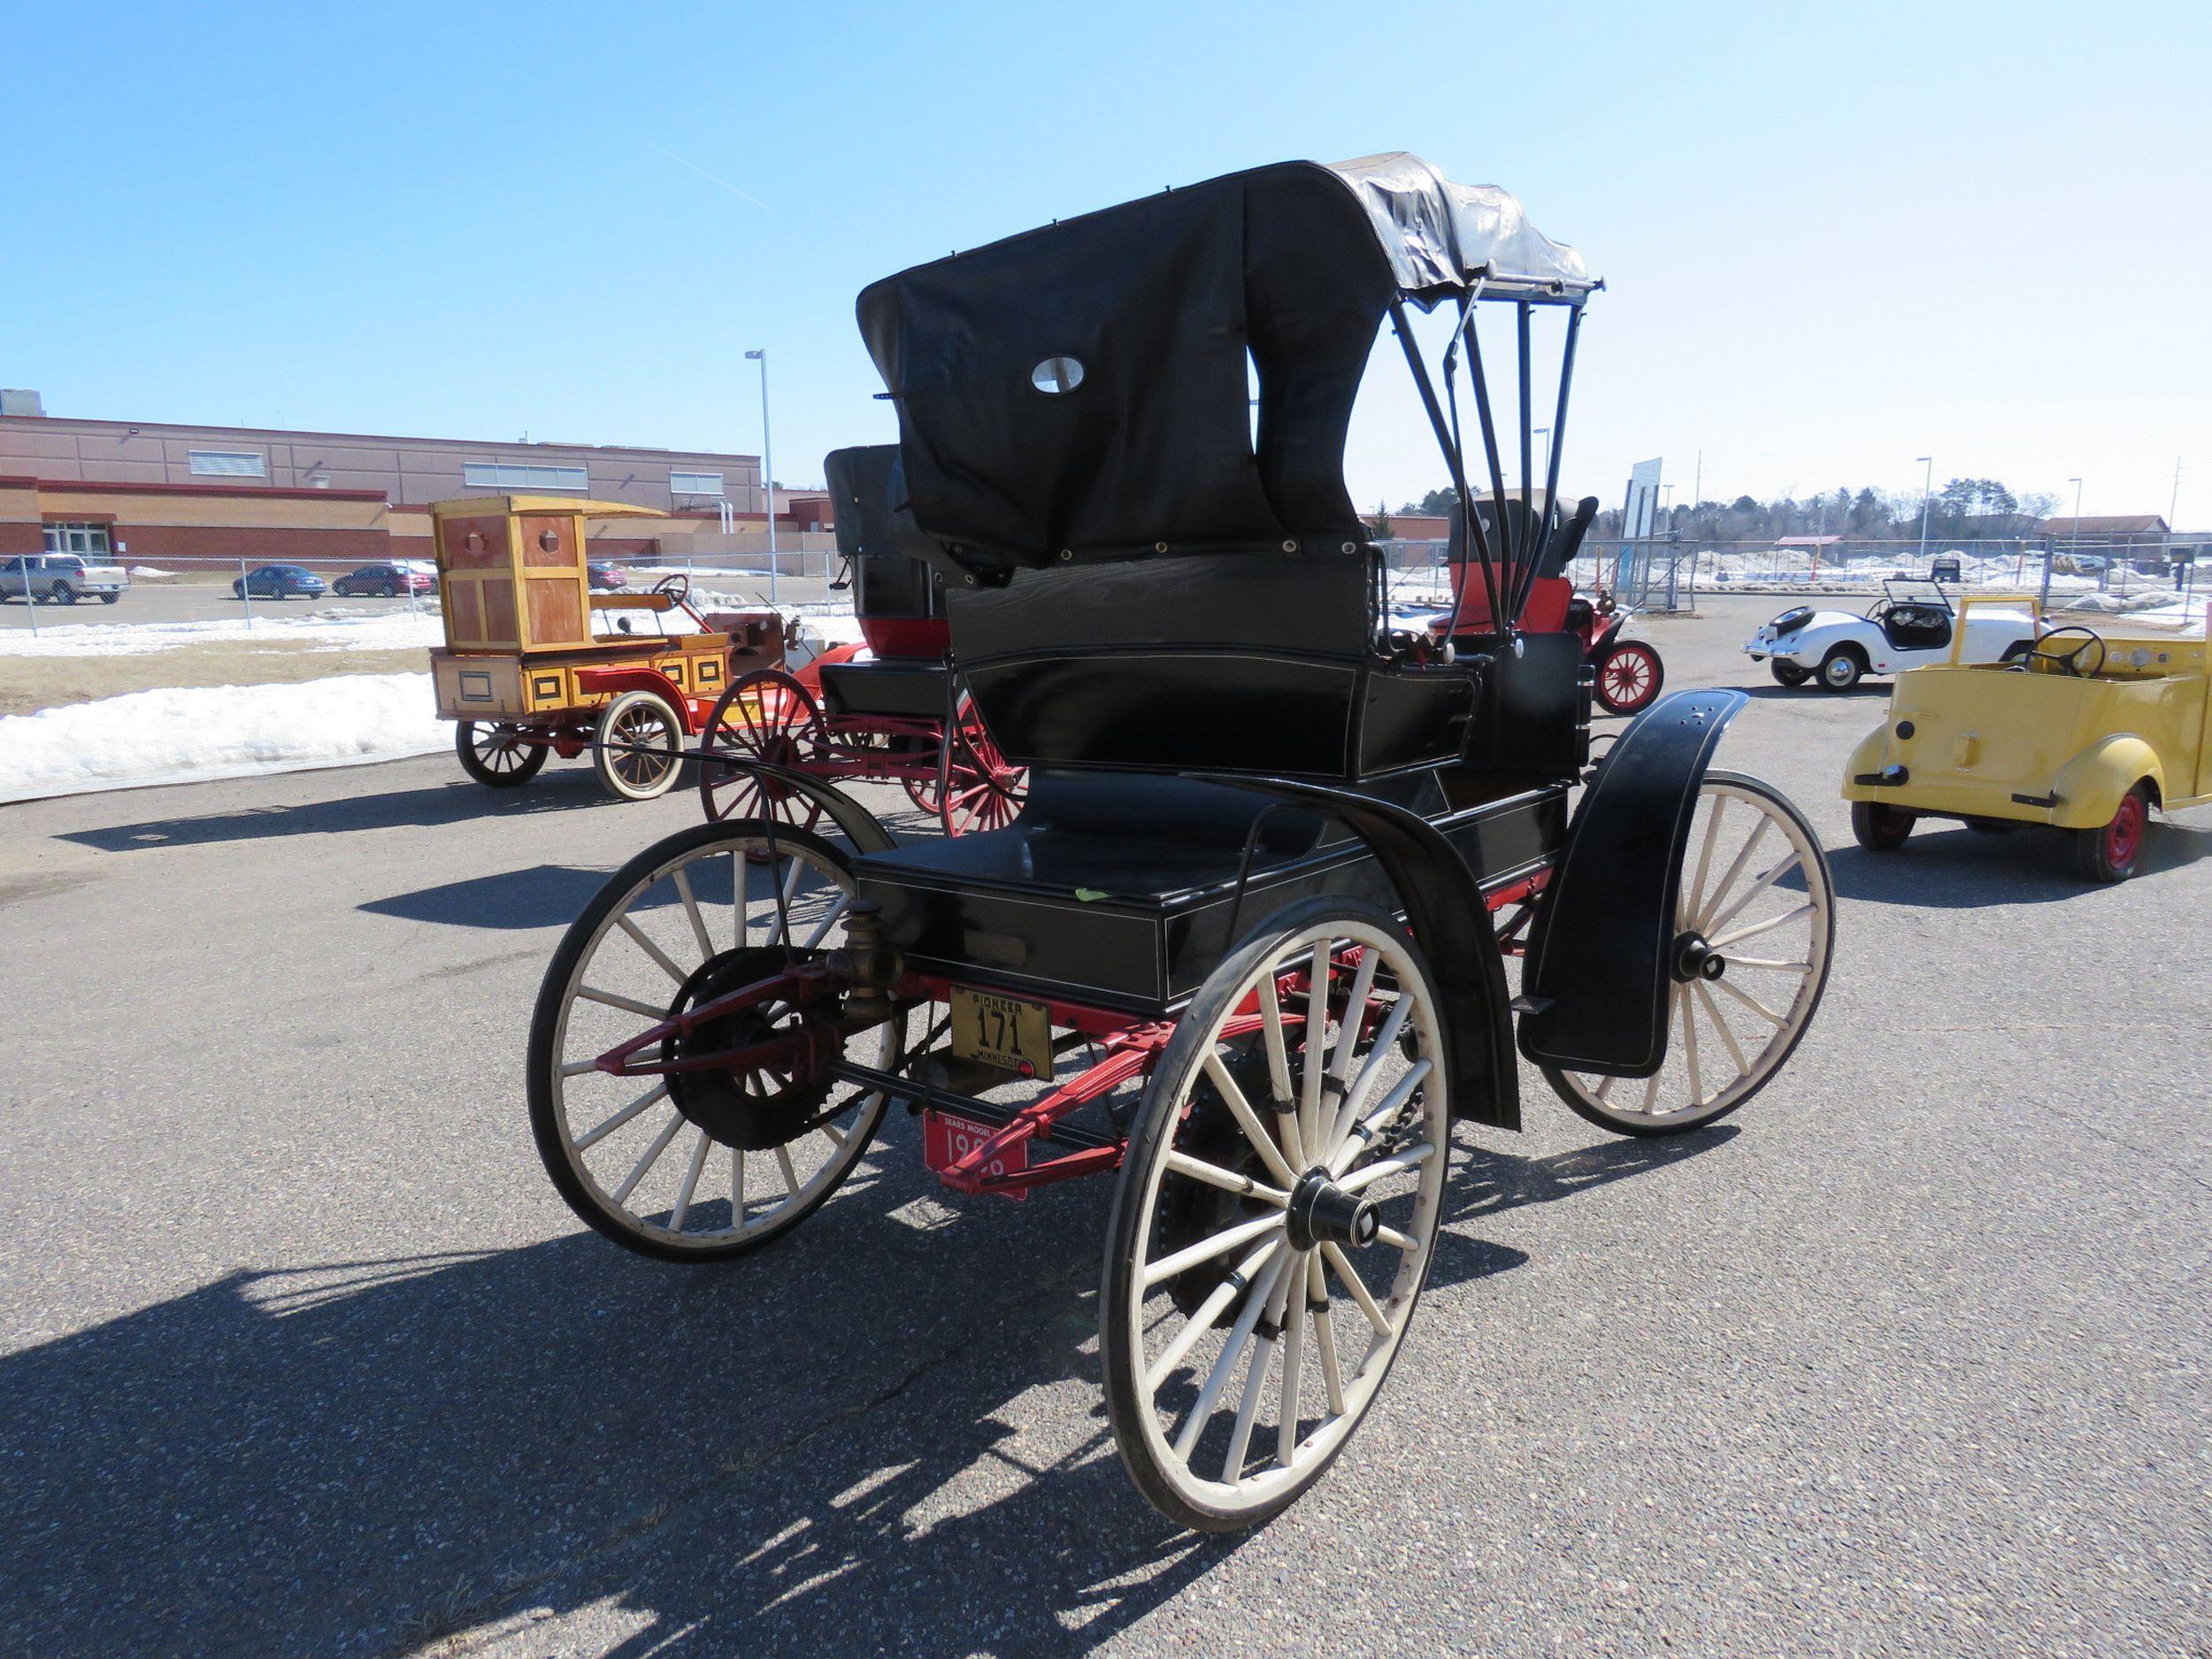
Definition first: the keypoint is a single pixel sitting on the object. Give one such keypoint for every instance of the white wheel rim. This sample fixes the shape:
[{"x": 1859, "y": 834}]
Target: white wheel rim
[
  {"x": 1234, "y": 1418},
  {"x": 1754, "y": 886},
  {"x": 644, "y": 1165}
]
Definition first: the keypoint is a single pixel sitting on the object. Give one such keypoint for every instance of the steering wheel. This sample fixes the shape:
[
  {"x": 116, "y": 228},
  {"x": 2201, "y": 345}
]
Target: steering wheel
[
  {"x": 678, "y": 587},
  {"x": 2069, "y": 662}
]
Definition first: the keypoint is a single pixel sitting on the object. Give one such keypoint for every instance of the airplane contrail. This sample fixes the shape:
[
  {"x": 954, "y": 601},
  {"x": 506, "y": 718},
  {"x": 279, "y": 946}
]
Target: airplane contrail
[{"x": 703, "y": 174}]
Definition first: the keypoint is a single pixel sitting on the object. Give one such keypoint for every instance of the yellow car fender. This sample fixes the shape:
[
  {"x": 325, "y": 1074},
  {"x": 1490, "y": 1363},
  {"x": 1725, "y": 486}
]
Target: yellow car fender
[
  {"x": 1867, "y": 757},
  {"x": 2090, "y": 785}
]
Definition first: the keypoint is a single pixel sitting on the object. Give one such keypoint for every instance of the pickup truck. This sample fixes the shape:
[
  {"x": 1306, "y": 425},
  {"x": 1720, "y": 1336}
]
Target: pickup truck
[{"x": 61, "y": 578}]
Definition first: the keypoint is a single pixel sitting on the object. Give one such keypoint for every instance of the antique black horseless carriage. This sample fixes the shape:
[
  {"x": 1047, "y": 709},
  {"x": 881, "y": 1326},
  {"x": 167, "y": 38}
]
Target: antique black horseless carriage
[{"x": 1246, "y": 943}]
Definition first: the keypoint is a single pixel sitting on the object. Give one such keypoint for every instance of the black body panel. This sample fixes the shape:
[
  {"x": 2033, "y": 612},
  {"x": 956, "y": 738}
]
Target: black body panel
[
  {"x": 893, "y": 686},
  {"x": 1601, "y": 953},
  {"x": 1251, "y": 662},
  {"x": 1428, "y": 877},
  {"x": 1121, "y": 892},
  {"x": 1534, "y": 715}
]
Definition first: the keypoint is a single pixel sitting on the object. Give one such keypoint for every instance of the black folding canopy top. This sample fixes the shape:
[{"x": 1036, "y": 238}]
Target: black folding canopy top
[{"x": 1082, "y": 391}]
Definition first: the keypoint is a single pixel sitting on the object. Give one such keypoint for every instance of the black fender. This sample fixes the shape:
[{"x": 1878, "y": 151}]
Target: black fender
[
  {"x": 858, "y": 823},
  {"x": 1601, "y": 952},
  {"x": 1443, "y": 905}
]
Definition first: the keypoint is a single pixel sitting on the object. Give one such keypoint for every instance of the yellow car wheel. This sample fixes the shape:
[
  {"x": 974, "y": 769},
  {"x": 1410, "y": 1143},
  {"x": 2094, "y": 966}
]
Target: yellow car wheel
[
  {"x": 2111, "y": 851},
  {"x": 1878, "y": 826}
]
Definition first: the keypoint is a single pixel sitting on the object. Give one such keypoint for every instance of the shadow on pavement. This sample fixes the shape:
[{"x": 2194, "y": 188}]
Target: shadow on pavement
[
  {"x": 543, "y": 896},
  {"x": 554, "y": 790},
  {"x": 814, "y": 1449},
  {"x": 1945, "y": 865}
]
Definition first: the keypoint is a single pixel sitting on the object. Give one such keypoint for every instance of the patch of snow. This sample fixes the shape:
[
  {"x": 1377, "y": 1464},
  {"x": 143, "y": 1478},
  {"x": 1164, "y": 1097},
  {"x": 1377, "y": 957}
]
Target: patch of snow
[
  {"x": 327, "y": 630},
  {"x": 150, "y": 572},
  {"x": 185, "y": 735}
]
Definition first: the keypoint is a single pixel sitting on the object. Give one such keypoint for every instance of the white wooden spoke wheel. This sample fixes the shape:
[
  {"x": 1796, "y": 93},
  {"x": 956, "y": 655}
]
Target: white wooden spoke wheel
[
  {"x": 1757, "y": 918},
  {"x": 1275, "y": 1215},
  {"x": 638, "y": 752},
  {"x": 706, "y": 1164}
]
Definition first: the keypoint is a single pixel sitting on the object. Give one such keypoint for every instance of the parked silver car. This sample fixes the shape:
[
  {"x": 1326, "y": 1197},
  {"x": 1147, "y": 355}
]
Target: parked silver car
[{"x": 61, "y": 578}]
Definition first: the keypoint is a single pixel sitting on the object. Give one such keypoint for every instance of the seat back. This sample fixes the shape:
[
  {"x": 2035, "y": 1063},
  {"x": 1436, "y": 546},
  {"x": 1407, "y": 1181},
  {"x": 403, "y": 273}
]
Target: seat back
[{"x": 1239, "y": 662}]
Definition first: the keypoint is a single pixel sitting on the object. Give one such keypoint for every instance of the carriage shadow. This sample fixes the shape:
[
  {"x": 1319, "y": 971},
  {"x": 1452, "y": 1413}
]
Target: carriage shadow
[
  {"x": 561, "y": 789},
  {"x": 871, "y": 1437},
  {"x": 1486, "y": 1183}
]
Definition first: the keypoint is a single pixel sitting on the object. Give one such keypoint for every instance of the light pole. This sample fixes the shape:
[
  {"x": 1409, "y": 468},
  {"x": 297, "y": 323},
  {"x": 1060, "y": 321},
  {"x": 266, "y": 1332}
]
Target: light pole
[
  {"x": 1927, "y": 479},
  {"x": 767, "y": 469},
  {"x": 2073, "y": 545}
]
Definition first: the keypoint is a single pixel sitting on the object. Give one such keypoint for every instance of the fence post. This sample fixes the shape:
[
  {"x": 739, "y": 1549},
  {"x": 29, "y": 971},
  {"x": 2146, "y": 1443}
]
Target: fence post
[
  {"x": 245, "y": 591},
  {"x": 30, "y": 605}
]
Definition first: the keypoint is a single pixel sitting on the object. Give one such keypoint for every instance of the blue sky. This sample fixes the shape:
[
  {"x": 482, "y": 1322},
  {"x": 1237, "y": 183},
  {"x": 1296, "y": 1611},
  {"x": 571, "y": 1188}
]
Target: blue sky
[{"x": 1835, "y": 238}]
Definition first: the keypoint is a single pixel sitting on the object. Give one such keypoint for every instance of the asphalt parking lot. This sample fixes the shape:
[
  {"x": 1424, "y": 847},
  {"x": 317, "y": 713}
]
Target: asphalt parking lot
[{"x": 301, "y": 1355}]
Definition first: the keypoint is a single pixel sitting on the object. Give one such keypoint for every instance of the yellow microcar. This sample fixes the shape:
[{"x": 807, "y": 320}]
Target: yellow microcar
[{"x": 2086, "y": 734}]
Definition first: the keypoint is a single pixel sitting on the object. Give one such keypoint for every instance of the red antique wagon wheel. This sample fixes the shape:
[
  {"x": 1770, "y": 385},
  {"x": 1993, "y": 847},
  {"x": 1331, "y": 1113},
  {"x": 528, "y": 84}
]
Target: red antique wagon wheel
[
  {"x": 1628, "y": 677},
  {"x": 976, "y": 787},
  {"x": 764, "y": 716}
]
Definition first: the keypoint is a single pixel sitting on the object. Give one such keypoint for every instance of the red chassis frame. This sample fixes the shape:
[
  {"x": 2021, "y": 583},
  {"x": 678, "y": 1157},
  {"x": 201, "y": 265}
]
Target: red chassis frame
[{"x": 1133, "y": 1047}]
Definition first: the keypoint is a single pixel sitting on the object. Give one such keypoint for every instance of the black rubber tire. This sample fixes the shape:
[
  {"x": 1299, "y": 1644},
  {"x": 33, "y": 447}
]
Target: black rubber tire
[
  {"x": 64, "y": 594},
  {"x": 493, "y": 778},
  {"x": 1789, "y": 674},
  {"x": 1130, "y": 1214},
  {"x": 2093, "y": 848},
  {"x": 110, "y": 597},
  {"x": 1878, "y": 826},
  {"x": 1842, "y": 669},
  {"x": 545, "y": 1024}
]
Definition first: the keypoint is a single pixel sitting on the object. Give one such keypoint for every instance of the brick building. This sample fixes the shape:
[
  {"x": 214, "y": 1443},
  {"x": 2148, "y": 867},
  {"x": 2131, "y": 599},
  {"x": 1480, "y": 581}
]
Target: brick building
[{"x": 146, "y": 492}]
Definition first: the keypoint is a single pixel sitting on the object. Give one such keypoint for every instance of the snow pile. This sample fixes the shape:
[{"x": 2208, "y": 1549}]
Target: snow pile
[
  {"x": 324, "y": 630},
  {"x": 150, "y": 572},
  {"x": 185, "y": 735}
]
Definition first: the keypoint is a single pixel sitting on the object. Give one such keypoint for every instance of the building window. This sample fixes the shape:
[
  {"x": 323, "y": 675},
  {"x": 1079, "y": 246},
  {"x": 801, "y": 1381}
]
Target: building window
[
  {"x": 695, "y": 483},
  {"x": 228, "y": 463},
  {"x": 518, "y": 475},
  {"x": 86, "y": 540}
]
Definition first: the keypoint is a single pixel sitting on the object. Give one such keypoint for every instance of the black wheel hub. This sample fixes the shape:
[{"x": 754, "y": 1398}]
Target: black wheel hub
[
  {"x": 1695, "y": 959},
  {"x": 755, "y": 1109},
  {"x": 1322, "y": 1212}
]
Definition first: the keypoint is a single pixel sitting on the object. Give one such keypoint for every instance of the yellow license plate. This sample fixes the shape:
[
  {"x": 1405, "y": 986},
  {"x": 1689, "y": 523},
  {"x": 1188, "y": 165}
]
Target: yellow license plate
[{"x": 1001, "y": 1031}]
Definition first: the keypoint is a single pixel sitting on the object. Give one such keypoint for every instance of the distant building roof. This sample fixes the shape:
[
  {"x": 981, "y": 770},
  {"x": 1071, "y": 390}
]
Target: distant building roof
[{"x": 2115, "y": 523}]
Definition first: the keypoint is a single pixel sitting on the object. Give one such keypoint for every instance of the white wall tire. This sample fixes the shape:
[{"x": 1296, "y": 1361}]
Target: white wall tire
[
  {"x": 635, "y": 722},
  {"x": 1234, "y": 1381},
  {"x": 1756, "y": 884},
  {"x": 626, "y": 1157}
]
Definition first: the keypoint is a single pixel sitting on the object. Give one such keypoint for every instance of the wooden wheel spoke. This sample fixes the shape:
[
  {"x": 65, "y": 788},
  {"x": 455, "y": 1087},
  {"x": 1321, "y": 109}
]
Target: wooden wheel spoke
[
  {"x": 1753, "y": 929},
  {"x": 592, "y": 1138},
  {"x": 1256, "y": 1300},
  {"x": 648, "y": 1158},
  {"x": 1720, "y": 888},
  {"x": 1240, "y": 1109},
  {"x": 1727, "y": 1037},
  {"x": 1353, "y": 1283}
]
